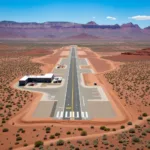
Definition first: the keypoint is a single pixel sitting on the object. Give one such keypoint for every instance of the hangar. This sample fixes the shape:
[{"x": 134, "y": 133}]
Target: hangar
[{"x": 47, "y": 78}]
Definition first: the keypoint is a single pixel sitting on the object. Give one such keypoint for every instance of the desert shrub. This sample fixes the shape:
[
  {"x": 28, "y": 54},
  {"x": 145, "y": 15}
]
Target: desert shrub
[
  {"x": 38, "y": 143},
  {"x": 10, "y": 148},
  {"x": 137, "y": 126},
  {"x": 131, "y": 130},
  {"x": 52, "y": 137},
  {"x": 77, "y": 148},
  {"x": 18, "y": 138},
  {"x": 102, "y": 127},
  {"x": 129, "y": 123},
  {"x": 140, "y": 118},
  {"x": 148, "y": 145},
  {"x": 86, "y": 142},
  {"x": 48, "y": 129},
  {"x": 83, "y": 133},
  {"x": 148, "y": 130},
  {"x": 68, "y": 132},
  {"x": 148, "y": 119},
  {"x": 80, "y": 129},
  {"x": 92, "y": 127},
  {"x": 111, "y": 145},
  {"x": 95, "y": 143},
  {"x": 107, "y": 129},
  {"x": 144, "y": 115},
  {"x": 122, "y": 127},
  {"x": 120, "y": 141},
  {"x": 16, "y": 143},
  {"x": 113, "y": 129},
  {"x": 79, "y": 142},
  {"x": 57, "y": 134},
  {"x": 5, "y": 130},
  {"x": 105, "y": 142},
  {"x": 104, "y": 137},
  {"x": 25, "y": 145},
  {"x": 144, "y": 133},
  {"x": 3, "y": 121},
  {"x": 71, "y": 147},
  {"x": 135, "y": 140},
  {"x": 60, "y": 142}
]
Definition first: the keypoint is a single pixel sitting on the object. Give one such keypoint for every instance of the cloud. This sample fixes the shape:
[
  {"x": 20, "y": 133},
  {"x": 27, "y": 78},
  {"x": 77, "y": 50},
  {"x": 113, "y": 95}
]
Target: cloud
[
  {"x": 140, "y": 17},
  {"x": 94, "y": 17},
  {"x": 111, "y": 18}
]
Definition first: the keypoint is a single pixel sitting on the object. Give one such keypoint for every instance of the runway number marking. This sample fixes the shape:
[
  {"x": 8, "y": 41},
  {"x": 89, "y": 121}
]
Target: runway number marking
[{"x": 68, "y": 108}]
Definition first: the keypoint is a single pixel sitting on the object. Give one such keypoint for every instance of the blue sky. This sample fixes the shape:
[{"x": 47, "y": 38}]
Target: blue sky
[{"x": 80, "y": 11}]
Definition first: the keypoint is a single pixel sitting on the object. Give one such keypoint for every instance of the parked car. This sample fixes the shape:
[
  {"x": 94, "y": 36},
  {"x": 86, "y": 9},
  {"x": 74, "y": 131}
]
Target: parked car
[{"x": 31, "y": 84}]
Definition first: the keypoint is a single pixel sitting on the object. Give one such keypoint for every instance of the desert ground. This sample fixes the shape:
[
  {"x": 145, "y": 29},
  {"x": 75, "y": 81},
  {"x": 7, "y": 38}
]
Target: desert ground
[{"x": 126, "y": 83}]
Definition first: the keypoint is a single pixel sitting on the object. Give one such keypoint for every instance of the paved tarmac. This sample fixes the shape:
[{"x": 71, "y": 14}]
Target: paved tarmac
[{"x": 72, "y": 100}]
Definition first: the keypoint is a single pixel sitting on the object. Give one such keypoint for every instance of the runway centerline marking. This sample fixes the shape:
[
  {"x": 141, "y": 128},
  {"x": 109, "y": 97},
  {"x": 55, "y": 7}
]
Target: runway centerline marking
[{"x": 83, "y": 101}]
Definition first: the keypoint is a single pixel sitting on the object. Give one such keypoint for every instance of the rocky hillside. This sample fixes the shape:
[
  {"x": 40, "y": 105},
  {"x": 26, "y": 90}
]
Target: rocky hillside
[
  {"x": 143, "y": 52},
  {"x": 63, "y": 30}
]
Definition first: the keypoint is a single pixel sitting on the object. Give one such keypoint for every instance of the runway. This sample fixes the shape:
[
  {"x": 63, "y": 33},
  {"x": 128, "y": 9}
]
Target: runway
[{"x": 72, "y": 103}]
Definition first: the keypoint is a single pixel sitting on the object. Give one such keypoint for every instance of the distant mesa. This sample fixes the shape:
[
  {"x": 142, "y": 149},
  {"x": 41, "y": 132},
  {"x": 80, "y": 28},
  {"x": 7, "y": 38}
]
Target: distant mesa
[
  {"x": 92, "y": 23},
  {"x": 130, "y": 25},
  {"x": 147, "y": 28},
  {"x": 83, "y": 36},
  {"x": 64, "y": 30}
]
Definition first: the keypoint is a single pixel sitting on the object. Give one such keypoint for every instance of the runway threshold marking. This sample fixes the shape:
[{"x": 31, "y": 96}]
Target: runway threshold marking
[{"x": 57, "y": 114}]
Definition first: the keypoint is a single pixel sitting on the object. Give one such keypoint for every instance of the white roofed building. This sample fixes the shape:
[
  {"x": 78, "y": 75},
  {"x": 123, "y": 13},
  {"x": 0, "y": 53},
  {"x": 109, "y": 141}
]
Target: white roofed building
[{"x": 32, "y": 78}]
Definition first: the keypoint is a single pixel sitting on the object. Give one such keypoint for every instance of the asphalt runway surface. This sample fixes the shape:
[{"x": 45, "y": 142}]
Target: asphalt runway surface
[{"x": 72, "y": 103}]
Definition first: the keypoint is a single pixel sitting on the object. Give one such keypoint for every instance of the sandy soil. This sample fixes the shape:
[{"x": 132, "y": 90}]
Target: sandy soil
[
  {"x": 99, "y": 65},
  {"x": 85, "y": 67},
  {"x": 64, "y": 53},
  {"x": 127, "y": 58},
  {"x": 90, "y": 79},
  {"x": 102, "y": 54},
  {"x": 81, "y": 53},
  {"x": 48, "y": 62}
]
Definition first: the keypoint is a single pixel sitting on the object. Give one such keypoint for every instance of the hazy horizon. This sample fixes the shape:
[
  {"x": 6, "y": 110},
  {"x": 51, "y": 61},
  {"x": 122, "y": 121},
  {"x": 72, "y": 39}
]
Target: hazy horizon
[{"x": 102, "y": 12}]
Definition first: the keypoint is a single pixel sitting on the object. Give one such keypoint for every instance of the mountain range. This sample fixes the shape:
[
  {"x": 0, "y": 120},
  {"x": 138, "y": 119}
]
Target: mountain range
[{"x": 71, "y": 31}]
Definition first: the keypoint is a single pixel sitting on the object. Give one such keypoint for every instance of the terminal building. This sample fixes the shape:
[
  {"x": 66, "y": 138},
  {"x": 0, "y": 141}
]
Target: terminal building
[{"x": 47, "y": 78}]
